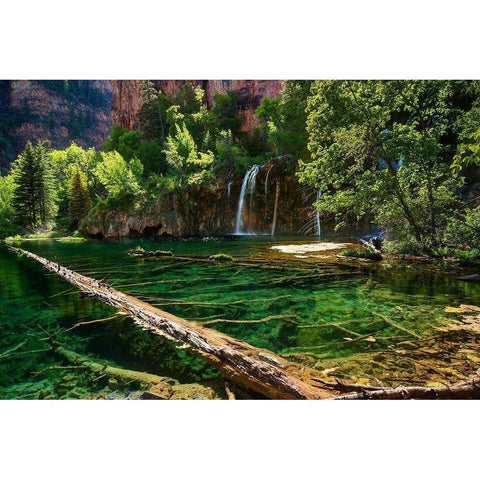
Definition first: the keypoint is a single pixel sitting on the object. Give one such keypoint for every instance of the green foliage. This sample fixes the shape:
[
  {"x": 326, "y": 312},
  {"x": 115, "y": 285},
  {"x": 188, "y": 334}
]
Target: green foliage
[
  {"x": 78, "y": 198},
  {"x": 189, "y": 98},
  {"x": 129, "y": 145},
  {"x": 394, "y": 153},
  {"x": 34, "y": 196},
  {"x": 120, "y": 179},
  {"x": 468, "y": 152},
  {"x": 153, "y": 112},
  {"x": 152, "y": 156},
  {"x": 229, "y": 156},
  {"x": 7, "y": 211},
  {"x": 65, "y": 164},
  {"x": 361, "y": 253},
  {"x": 125, "y": 142},
  {"x": 464, "y": 229},
  {"x": 378, "y": 151},
  {"x": 226, "y": 112},
  {"x": 185, "y": 159},
  {"x": 466, "y": 257},
  {"x": 284, "y": 119},
  {"x": 72, "y": 240}
]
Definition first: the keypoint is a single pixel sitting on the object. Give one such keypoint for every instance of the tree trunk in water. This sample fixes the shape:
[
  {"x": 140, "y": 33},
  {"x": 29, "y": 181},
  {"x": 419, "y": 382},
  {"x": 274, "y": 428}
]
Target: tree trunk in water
[
  {"x": 275, "y": 210},
  {"x": 464, "y": 390},
  {"x": 257, "y": 369},
  {"x": 115, "y": 372}
]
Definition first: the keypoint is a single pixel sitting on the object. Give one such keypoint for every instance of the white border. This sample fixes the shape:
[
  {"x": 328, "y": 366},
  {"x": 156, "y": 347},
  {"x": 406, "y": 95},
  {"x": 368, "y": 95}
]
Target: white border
[{"x": 95, "y": 39}]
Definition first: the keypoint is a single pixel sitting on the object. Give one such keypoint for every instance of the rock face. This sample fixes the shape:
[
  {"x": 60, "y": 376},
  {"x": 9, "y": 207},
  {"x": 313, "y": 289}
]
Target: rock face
[
  {"x": 126, "y": 97},
  {"x": 56, "y": 110},
  {"x": 210, "y": 210}
]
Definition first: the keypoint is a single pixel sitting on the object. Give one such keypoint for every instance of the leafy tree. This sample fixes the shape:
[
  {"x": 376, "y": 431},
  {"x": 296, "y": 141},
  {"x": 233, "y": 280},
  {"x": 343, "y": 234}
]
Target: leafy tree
[
  {"x": 78, "y": 197},
  {"x": 465, "y": 229},
  {"x": 129, "y": 144},
  {"x": 113, "y": 141},
  {"x": 64, "y": 166},
  {"x": 468, "y": 152},
  {"x": 7, "y": 212},
  {"x": 185, "y": 159},
  {"x": 152, "y": 156},
  {"x": 226, "y": 112},
  {"x": 121, "y": 179},
  {"x": 229, "y": 157},
  {"x": 378, "y": 150},
  {"x": 34, "y": 198},
  {"x": 126, "y": 142},
  {"x": 189, "y": 98},
  {"x": 284, "y": 119}
]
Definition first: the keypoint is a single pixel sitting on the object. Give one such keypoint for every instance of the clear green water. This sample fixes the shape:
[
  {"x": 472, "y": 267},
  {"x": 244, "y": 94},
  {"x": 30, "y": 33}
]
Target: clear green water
[{"x": 33, "y": 307}]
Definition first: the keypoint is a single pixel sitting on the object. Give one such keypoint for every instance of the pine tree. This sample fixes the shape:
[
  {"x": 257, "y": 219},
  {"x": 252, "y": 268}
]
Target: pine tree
[
  {"x": 45, "y": 182},
  {"x": 78, "y": 198},
  {"x": 34, "y": 200},
  {"x": 25, "y": 198}
]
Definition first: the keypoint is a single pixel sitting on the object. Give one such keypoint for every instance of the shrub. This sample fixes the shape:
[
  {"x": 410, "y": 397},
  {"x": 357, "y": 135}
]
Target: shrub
[{"x": 361, "y": 253}]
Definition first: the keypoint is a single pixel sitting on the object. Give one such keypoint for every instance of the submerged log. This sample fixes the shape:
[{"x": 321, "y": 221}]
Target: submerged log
[
  {"x": 119, "y": 373},
  {"x": 470, "y": 278},
  {"x": 164, "y": 388},
  {"x": 257, "y": 369},
  {"x": 246, "y": 366}
]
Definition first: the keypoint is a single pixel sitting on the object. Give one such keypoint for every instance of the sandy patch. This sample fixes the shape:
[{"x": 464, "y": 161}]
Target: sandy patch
[{"x": 310, "y": 247}]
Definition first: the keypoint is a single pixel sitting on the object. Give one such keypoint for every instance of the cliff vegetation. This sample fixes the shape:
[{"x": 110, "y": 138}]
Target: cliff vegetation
[{"x": 401, "y": 155}]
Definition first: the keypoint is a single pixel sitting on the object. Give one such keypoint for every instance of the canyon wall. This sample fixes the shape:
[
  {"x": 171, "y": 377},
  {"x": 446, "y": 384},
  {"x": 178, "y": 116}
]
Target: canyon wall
[
  {"x": 212, "y": 209},
  {"x": 57, "y": 110},
  {"x": 126, "y": 97}
]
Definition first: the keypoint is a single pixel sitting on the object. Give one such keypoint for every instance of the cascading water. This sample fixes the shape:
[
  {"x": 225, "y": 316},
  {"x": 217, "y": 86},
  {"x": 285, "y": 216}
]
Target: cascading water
[
  {"x": 266, "y": 184},
  {"x": 247, "y": 185},
  {"x": 319, "y": 229},
  {"x": 229, "y": 185}
]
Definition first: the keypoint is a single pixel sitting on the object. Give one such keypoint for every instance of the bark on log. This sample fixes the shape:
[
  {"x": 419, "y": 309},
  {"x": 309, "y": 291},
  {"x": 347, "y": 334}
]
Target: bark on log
[
  {"x": 257, "y": 369},
  {"x": 464, "y": 390}
]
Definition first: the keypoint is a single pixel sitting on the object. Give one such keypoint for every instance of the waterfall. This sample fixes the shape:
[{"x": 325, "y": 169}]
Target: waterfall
[
  {"x": 266, "y": 185},
  {"x": 248, "y": 184},
  {"x": 229, "y": 185},
  {"x": 319, "y": 230}
]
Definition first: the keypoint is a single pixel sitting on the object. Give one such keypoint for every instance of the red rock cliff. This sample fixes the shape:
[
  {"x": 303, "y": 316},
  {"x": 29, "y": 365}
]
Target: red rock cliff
[
  {"x": 126, "y": 97},
  {"x": 57, "y": 110}
]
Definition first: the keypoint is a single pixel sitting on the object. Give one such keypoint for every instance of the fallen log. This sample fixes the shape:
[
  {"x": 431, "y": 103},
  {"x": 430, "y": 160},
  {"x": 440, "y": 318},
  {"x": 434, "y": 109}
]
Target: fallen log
[
  {"x": 164, "y": 388},
  {"x": 248, "y": 367},
  {"x": 464, "y": 390},
  {"x": 114, "y": 372},
  {"x": 257, "y": 369}
]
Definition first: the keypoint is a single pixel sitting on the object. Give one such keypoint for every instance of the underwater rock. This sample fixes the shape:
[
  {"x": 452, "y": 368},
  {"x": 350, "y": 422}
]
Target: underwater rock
[{"x": 160, "y": 391}]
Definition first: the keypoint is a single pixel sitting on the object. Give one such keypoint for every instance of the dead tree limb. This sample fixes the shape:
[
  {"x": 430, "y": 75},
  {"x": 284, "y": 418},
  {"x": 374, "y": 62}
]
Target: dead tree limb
[
  {"x": 397, "y": 326},
  {"x": 464, "y": 390}
]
